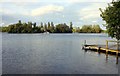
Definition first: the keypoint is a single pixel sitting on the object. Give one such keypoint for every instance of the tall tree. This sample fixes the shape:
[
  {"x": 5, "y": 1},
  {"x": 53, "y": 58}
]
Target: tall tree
[
  {"x": 96, "y": 29},
  {"x": 29, "y": 27},
  {"x": 34, "y": 24},
  {"x": 112, "y": 17},
  {"x": 48, "y": 28},
  {"x": 19, "y": 22},
  {"x": 52, "y": 29},
  {"x": 18, "y": 27},
  {"x": 41, "y": 27},
  {"x": 45, "y": 27},
  {"x": 86, "y": 29},
  {"x": 71, "y": 26}
]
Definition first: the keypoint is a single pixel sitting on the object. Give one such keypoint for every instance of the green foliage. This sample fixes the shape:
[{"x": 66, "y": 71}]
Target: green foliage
[
  {"x": 112, "y": 17},
  {"x": 78, "y": 30},
  {"x": 87, "y": 29},
  {"x": 3, "y": 29},
  {"x": 62, "y": 28},
  {"x": 49, "y": 27},
  {"x": 71, "y": 27},
  {"x": 96, "y": 29},
  {"x": 91, "y": 29}
]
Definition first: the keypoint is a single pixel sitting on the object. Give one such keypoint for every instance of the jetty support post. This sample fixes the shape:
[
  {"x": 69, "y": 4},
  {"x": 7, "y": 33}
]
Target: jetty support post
[
  {"x": 85, "y": 42},
  {"x": 98, "y": 50},
  {"x": 117, "y": 52},
  {"x": 106, "y": 50},
  {"x": 84, "y": 45}
]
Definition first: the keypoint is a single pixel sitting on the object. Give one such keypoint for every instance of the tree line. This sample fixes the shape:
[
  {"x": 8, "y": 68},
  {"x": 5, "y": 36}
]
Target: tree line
[
  {"x": 50, "y": 27},
  {"x": 89, "y": 29}
]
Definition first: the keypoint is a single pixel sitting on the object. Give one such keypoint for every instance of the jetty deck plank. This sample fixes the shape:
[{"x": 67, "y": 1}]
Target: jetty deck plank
[{"x": 102, "y": 47}]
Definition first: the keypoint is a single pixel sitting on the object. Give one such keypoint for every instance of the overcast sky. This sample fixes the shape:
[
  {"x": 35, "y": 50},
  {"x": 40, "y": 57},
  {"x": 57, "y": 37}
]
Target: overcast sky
[{"x": 80, "y": 12}]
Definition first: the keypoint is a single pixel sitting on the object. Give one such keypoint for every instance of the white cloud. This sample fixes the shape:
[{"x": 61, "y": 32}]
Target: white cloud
[
  {"x": 33, "y": 12},
  {"x": 46, "y": 9},
  {"x": 7, "y": 11},
  {"x": 2, "y": 24},
  {"x": 74, "y": 1},
  {"x": 19, "y": 1},
  {"x": 1, "y": 10},
  {"x": 10, "y": 12},
  {"x": 33, "y": 1},
  {"x": 68, "y": 1},
  {"x": 94, "y": 21},
  {"x": 77, "y": 1},
  {"x": 91, "y": 12}
]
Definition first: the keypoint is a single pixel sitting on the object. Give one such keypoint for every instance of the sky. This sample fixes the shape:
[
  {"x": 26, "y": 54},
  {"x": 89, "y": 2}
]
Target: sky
[{"x": 80, "y": 12}]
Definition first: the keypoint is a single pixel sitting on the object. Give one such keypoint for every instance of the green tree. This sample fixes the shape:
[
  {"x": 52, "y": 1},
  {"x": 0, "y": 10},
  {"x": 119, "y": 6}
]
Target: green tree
[
  {"x": 24, "y": 30},
  {"x": 78, "y": 29},
  {"x": 62, "y": 28},
  {"x": 111, "y": 15},
  {"x": 86, "y": 29},
  {"x": 4, "y": 29},
  {"x": 48, "y": 28},
  {"x": 34, "y": 24},
  {"x": 29, "y": 27},
  {"x": 71, "y": 26},
  {"x": 18, "y": 27},
  {"x": 11, "y": 29},
  {"x": 52, "y": 28},
  {"x": 45, "y": 27},
  {"x": 96, "y": 29},
  {"x": 41, "y": 27}
]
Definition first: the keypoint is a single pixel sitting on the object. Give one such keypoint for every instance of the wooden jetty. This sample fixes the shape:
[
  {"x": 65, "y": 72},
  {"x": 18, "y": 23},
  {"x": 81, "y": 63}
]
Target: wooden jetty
[
  {"x": 100, "y": 48},
  {"x": 107, "y": 49}
]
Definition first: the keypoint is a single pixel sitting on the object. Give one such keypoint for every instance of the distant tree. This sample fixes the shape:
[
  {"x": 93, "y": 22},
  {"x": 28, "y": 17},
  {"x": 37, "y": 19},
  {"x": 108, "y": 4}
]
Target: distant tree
[
  {"x": 96, "y": 29},
  {"x": 34, "y": 29},
  {"x": 86, "y": 29},
  {"x": 11, "y": 29},
  {"x": 78, "y": 30},
  {"x": 52, "y": 28},
  {"x": 29, "y": 27},
  {"x": 4, "y": 29},
  {"x": 62, "y": 28},
  {"x": 41, "y": 27},
  {"x": 112, "y": 17},
  {"x": 71, "y": 27},
  {"x": 45, "y": 27},
  {"x": 48, "y": 28},
  {"x": 41, "y": 24},
  {"x": 19, "y": 22},
  {"x": 24, "y": 30},
  {"x": 17, "y": 27},
  {"x": 34, "y": 24},
  {"x": 74, "y": 30}
]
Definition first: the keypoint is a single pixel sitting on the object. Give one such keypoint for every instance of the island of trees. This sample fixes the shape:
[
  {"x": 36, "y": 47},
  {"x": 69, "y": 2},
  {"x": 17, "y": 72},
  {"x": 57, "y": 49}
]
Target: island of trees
[{"x": 50, "y": 27}]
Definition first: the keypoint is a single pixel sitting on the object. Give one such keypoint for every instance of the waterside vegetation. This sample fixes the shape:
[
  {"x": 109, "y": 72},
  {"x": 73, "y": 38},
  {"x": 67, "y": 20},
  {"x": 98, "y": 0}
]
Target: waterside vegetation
[
  {"x": 111, "y": 15},
  {"x": 49, "y": 27}
]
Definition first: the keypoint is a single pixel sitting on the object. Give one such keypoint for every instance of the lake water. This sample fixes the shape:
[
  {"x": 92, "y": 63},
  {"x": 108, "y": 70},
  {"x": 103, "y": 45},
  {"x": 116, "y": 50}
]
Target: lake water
[{"x": 54, "y": 54}]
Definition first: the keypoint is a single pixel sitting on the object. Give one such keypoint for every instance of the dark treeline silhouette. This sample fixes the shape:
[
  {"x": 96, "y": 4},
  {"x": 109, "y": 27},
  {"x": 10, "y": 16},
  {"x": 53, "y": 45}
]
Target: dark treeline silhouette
[{"x": 49, "y": 27}]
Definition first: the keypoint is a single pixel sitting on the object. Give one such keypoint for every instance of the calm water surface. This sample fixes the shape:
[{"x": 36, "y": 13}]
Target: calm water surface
[{"x": 54, "y": 54}]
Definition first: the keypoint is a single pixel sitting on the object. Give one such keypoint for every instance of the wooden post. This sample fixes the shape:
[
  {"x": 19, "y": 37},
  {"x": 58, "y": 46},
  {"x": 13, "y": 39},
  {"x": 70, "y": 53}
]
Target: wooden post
[
  {"x": 85, "y": 42},
  {"x": 116, "y": 58},
  {"x": 84, "y": 45},
  {"x": 117, "y": 52},
  {"x": 106, "y": 50},
  {"x": 98, "y": 50}
]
